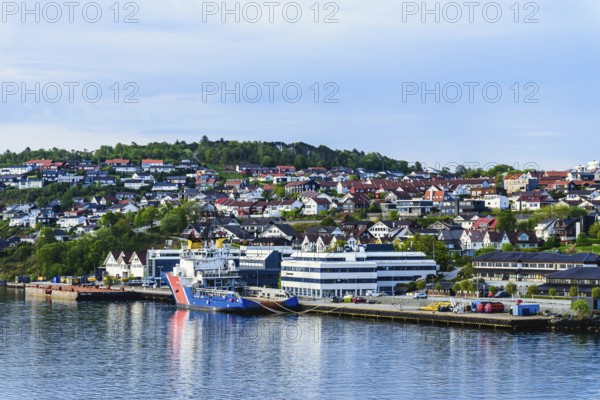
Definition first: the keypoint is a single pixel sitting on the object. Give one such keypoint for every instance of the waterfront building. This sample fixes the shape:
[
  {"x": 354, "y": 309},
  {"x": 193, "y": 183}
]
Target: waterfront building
[
  {"x": 374, "y": 267},
  {"x": 583, "y": 278},
  {"x": 530, "y": 267}
]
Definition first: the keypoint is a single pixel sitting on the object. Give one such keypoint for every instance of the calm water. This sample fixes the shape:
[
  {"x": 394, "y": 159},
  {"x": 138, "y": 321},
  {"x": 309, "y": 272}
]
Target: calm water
[{"x": 64, "y": 350}]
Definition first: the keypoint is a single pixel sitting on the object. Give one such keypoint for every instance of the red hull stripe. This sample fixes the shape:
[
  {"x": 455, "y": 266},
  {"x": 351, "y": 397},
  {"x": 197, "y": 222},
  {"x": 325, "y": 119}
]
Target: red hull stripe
[{"x": 177, "y": 289}]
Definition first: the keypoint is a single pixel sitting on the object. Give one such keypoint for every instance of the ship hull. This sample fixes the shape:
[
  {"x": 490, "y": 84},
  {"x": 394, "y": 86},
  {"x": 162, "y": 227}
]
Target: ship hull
[{"x": 229, "y": 303}]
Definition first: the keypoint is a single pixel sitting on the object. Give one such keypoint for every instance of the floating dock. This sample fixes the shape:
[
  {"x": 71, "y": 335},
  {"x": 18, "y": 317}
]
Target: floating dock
[{"x": 88, "y": 293}]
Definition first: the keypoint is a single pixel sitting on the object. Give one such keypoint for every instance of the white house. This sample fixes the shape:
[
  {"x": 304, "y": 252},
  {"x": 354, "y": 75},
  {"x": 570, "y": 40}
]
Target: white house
[
  {"x": 315, "y": 205},
  {"x": 124, "y": 208},
  {"x": 126, "y": 264},
  {"x": 276, "y": 207},
  {"x": 71, "y": 222},
  {"x": 496, "y": 201},
  {"x": 16, "y": 170},
  {"x": 19, "y": 219}
]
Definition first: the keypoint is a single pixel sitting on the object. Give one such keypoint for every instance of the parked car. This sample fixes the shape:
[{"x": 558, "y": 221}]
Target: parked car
[
  {"x": 374, "y": 293},
  {"x": 420, "y": 295},
  {"x": 502, "y": 294},
  {"x": 358, "y": 299},
  {"x": 336, "y": 299}
]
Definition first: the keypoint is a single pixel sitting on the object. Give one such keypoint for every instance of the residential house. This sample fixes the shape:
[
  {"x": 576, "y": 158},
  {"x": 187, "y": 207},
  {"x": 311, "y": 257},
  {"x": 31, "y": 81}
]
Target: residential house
[
  {"x": 315, "y": 206},
  {"x": 520, "y": 182},
  {"x": 437, "y": 195},
  {"x": 149, "y": 163},
  {"x": 523, "y": 240},
  {"x": 383, "y": 229},
  {"x": 471, "y": 241},
  {"x": 275, "y": 208},
  {"x": 485, "y": 224},
  {"x": 125, "y": 264},
  {"x": 496, "y": 201},
  {"x": 451, "y": 239},
  {"x": 413, "y": 208},
  {"x": 71, "y": 222},
  {"x": 466, "y": 221},
  {"x": 462, "y": 206},
  {"x": 279, "y": 231},
  {"x": 165, "y": 187},
  {"x": 301, "y": 186},
  {"x": 355, "y": 202}
]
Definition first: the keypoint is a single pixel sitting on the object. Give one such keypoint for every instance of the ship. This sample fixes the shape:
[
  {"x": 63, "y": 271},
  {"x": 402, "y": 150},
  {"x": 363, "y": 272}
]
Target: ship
[{"x": 208, "y": 279}]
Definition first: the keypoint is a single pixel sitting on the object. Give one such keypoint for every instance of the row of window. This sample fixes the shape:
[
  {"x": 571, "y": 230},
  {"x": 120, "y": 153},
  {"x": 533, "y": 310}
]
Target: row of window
[
  {"x": 328, "y": 270},
  {"x": 326, "y": 281}
]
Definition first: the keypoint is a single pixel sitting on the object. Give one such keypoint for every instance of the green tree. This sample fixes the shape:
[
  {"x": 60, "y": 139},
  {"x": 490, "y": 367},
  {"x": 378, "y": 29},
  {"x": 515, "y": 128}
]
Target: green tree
[
  {"x": 507, "y": 222},
  {"x": 429, "y": 245},
  {"x": 456, "y": 287},
  {"x": 46, "y": 236},
  {"x": 525, "y": 226},
  {"x": 438, "y": 287},
  {"x": 393, "y": 215},
  {"x": 576, "y": 212},
  {"x": 421, "y": 285},
  {"x": 573, "y": 291},
  {"x": 596, "y": 293},
  {"x": 173, "y": 222},
  {"x": 511, "y": 288},
  {"x": 552, "y": 292},
  {"x": 532, "y": 290},
  {"x": 328, "y": 222},
  {"x": 594, "y": 230},
  {"x": 492, "y": 289}
]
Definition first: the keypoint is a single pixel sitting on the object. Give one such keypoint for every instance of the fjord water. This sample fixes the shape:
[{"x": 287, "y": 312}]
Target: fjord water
[{"x": 142, "y": 350}]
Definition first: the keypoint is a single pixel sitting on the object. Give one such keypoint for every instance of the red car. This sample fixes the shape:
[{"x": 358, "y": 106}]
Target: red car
[{"x": 357, "y": 299}]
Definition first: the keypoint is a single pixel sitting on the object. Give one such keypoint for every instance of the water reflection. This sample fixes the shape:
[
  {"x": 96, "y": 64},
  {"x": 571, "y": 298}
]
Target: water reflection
[{"x": 146, "y": 350}]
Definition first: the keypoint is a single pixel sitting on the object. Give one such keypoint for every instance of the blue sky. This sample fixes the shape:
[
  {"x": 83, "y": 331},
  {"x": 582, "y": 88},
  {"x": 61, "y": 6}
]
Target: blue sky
[{"x": 369, "y": 56}]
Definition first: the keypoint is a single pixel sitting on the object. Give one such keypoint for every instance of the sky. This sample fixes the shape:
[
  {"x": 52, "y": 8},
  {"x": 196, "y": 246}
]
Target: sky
[{"x": 442, "y": 83}]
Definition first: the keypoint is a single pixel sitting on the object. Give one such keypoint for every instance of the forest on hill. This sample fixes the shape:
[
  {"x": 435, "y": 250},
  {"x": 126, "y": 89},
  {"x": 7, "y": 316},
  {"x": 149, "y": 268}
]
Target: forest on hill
[{"x": 220, "y": 153}]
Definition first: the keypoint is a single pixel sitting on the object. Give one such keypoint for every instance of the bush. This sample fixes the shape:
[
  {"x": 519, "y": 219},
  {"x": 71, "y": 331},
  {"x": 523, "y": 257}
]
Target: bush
[
  {"x": 552, "y": 292},
  {"x": 581, "y": 309},
  {"x": 582, "y": 240},
  {"x": 438, "y": 287},
  {"x": 596, "y": 293},
  {"x": 421, "y": 285}
]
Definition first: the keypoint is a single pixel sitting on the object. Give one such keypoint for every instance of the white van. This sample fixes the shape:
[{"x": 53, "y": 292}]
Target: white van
[{"x": 374, "y": 293}]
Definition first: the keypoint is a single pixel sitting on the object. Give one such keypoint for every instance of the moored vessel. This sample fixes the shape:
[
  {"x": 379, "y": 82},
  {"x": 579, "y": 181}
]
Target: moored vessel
[{"x": 207, "y": 278}]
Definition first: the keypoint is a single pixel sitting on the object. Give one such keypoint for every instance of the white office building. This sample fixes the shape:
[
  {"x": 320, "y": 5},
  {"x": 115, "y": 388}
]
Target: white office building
[{"x": 376, "y": 267}]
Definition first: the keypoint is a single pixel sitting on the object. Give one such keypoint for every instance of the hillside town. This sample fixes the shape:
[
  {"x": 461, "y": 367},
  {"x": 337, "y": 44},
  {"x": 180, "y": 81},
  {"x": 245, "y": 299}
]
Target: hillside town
[{"x": 519, "y": 226}]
